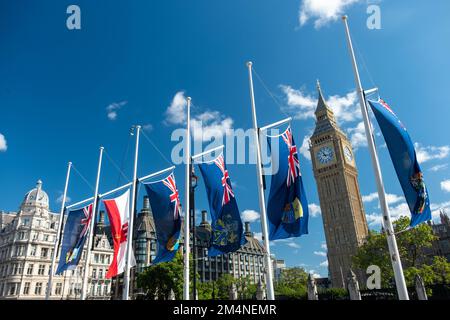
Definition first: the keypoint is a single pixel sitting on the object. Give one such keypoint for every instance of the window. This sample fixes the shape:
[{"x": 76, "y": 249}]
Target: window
[
  {"x": 58, "y": 289},
  {"x": 100, "y": 273},
  {"x": 41, "y": 270},
  {"x": 38, "y": 288},
  {"x": 46, "y": 237},
  {"x": 26, "y": 221},
  {"x": 94, "y": 273},
  {"x": 17, "y": 268},
  {"x": 44, "y": 252},
  {"x": 33, "y": 250},
  {"x": 12, "y": 289},
  {"x": 30, "y": 269},
  {"x": 96, "y": 258},
  {"x": 26, "y": 288}
]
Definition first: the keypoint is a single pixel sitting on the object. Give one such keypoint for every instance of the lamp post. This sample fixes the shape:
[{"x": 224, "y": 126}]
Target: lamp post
[{"x": 194, "y": 180}]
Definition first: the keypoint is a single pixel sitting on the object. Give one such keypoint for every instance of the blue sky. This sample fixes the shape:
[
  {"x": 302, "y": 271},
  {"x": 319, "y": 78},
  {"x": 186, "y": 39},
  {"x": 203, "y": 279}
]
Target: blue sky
[{"x": 57, "y": 88}]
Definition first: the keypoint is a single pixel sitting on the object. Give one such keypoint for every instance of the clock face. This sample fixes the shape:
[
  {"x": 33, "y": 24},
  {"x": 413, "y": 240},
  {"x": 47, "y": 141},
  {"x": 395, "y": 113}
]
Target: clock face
[
  {"x": 325, "y": 155},
  {"x": 348, "y": 154}
]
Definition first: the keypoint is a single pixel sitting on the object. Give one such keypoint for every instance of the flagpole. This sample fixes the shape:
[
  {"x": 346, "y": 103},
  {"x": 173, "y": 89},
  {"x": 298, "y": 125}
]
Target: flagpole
[
  {"x": 90, "y": 234},
  {"x": 392, "y": 243},
  {"x": 186, "y": 210},
  {"x": 260, "y": 182},
  {"x": 55, "y": 247},
  {"x": 126, "y": 278}
]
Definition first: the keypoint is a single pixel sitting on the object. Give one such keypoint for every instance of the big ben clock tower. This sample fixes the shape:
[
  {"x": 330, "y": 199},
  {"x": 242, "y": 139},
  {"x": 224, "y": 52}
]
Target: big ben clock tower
[{"x": 336, "y": 175}]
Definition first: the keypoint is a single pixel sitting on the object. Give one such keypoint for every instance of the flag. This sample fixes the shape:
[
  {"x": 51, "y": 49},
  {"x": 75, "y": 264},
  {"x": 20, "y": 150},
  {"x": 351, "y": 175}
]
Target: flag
[
  {"x": 287, "y": 207},
  {"x": 227, "y": 231},
  {"x": 74, "y": 238},
  {"x": 404, "y": 158},
  {"x": 118, "y": 213},
  {"x": 166, "y": 208}
]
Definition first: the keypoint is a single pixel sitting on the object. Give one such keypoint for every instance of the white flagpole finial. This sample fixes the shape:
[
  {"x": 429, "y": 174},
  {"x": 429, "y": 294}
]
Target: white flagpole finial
[
  {"x": 344, "y": 17},
  {"x": 249, "y": 63}
]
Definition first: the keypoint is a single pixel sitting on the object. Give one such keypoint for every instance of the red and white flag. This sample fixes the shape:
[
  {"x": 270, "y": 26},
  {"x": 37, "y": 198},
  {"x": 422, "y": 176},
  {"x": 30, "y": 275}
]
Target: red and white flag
[{"x": 118, "y": 212}]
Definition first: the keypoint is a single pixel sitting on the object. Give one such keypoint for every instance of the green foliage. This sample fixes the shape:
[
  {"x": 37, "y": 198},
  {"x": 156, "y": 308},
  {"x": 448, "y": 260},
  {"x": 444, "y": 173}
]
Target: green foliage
[
  {"x": 411, "y": 245},
  {"x": 292, "y": 283},
  {"x": 158, "y": 281}
]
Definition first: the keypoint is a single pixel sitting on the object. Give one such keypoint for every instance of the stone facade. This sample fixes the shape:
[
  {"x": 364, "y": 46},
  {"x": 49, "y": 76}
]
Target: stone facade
[
  {"x": 27, "y": 240},
  {"x": 336, "y": 176}
]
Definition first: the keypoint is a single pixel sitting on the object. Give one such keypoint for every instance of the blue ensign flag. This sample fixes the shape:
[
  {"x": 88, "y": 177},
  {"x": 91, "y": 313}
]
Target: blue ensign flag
[
  {"x": 404, "y": 158},
  {"x": 166, "y": 208},
  {"x": 287, "y": 207},
  {"x": 227, "y": 230},
  {"x": 74, "y": 238}
]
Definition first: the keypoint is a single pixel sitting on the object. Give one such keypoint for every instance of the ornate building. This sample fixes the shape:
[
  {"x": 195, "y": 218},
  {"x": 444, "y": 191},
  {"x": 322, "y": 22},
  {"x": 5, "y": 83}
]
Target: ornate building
[
  {"x": 27, "y": 240},
  {"x": 336, "y": 176}
]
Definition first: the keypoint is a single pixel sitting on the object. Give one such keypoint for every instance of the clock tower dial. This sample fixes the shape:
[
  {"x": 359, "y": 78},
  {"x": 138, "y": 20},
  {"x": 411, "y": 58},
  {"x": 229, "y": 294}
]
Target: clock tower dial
[{"x": 336, "y": 175}]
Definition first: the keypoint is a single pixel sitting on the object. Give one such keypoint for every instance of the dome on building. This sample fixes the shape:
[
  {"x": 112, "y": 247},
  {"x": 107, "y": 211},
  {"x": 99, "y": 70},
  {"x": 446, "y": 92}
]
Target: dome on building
[{"x": 36, "y": 197}]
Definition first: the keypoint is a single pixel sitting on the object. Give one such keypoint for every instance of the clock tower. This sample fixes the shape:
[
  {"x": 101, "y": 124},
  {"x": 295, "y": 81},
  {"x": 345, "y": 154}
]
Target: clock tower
[{"x": 336, "y": 175}]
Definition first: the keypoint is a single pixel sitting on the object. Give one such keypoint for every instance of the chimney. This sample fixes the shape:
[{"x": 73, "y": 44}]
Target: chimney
[
  {"x": 248, "y": 232},
  {"x": 102, "y": 217},
  {"x": 146, "y": 202},
  {"x": 204, "y": 215}
]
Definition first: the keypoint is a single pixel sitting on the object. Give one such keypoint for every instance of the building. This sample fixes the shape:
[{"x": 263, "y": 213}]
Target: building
[
  {"x": 441, "y": 246},
  {"x": 278, "y": 267},
  {"x": 336, "y": 176},
  {"x": 248, "y": 261},
  {"x": 27, "y": 240}
]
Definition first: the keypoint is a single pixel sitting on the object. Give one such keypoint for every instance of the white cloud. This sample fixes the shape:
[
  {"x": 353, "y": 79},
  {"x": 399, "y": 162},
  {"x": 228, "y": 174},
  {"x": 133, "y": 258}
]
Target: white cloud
[
  {"x": 205, "y": 126},
  {"x": 3, "y": 144},
  {"x": 175, "y": 113},
  {"x": 302, "y": 105},
  {"x": 113, "y": 108},
  {"x": 324, "y": 264},
  {"x": 293, "y": 245},
  {"x": 258, "y": 236},
  {"x": 438, "y": 167},
  {"x": 322, "y": 11},
  {"x": 324, "y": 246},
  {"x": 304, "y": 149},
  {"x": 445, "y": 185},
  {"x": 396, "y": 212},
  {"x": 320, "y": 253},
  {"x": 390, "y": 198},
  {"x": 437, "y": 207},
  {"x": 147, "y": 127},
  {"x": 209, "y": 125},
  {"x": 250, "y": 215},
  {"x": 358, "y": 136},
  {"x": 314, "y": 210},
  {"x": 60, "y": 199},
  {"x": 428, "y": 153}
]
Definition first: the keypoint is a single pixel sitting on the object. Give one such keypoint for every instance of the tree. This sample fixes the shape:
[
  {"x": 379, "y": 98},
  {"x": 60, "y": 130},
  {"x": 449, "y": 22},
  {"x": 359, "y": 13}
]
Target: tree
[
  {"x": 292, "y": 283},
  {"x": 159, "y": 280},
  {"x": 411, "y": 245}
]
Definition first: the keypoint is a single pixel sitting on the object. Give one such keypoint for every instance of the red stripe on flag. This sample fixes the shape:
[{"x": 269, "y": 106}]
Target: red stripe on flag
[{"x": 116, "y": 232}]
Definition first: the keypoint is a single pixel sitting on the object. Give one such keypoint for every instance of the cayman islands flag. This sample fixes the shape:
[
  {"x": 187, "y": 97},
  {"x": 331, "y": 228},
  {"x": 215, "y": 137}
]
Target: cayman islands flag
[
  {"x": 118, "y": 210},
  {"x": 227, "y": 229},
  {"x": 166, "y": 208},
  {"x": 287, "y": 207},
  {"x": 74, "y": 238},
  {"x": 404, "y": 158}
]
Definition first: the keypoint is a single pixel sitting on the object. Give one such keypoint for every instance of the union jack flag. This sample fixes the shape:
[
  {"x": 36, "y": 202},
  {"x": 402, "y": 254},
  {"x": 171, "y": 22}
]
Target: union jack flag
[
  {"x": 227, "y": 190},
  {"x": 294, "y": 163},
  {"x": 85, "y": 222},
  {"x": 169, "y": 182},
  {"x": 388, "y": 108}
]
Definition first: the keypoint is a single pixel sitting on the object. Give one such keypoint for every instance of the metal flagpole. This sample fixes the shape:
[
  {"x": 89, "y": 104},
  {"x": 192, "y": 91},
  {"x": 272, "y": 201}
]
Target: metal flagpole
[
  {"x": 262, "y": 204},
  {"x": 90, "y": 234},
  {"x": 55, "y": 248},
  {"x": 126, "y": 278},
  {"x": 186, "y": 210},
  {"x": 392, "y": 243}
]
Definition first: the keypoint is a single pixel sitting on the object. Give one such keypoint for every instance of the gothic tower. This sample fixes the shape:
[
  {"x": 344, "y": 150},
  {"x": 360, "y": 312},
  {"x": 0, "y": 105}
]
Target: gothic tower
[{"x": 336, "y": 176}]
